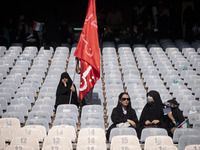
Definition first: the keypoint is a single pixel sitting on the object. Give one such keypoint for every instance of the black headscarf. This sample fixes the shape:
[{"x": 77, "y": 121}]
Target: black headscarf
[
  {"x": 152, "y": 111},
  {"x": 63, "y": 93},
  {"x": 118, "y": 115},
  {"x": 176, "y": 112},
  {"x": 61, "y": 89}
]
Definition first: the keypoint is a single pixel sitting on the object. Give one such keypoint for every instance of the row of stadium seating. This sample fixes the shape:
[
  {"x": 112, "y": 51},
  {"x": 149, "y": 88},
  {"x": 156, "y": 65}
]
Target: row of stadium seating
[{"x": 29, "y": 78}]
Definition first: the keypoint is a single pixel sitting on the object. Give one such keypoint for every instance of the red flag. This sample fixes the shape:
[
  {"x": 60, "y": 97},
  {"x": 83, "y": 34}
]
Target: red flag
[{"x": 88, "y": 52}]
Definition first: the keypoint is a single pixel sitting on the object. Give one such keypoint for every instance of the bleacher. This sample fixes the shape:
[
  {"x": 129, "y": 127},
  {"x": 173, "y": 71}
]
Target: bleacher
[{"x": 29, "y": 78}]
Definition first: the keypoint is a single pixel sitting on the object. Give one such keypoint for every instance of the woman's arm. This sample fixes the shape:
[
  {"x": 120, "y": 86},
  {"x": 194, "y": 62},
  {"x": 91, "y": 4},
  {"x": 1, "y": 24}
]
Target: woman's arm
[
  {"x": 116, "y": 118},
  {"x": 133, "y": 120}
]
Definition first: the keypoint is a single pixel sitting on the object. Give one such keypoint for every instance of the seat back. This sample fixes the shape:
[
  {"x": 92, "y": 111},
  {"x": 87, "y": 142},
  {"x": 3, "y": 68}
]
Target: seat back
[
  {"x": 63, "y": 130},
  {"x": 183, "y": 131},
  {"x": 157, "y": 140},
  {"x": 185, "y": 140},
  {"x": 124, "y": 140},
  {"x": 92, "y": 132},
  {"x": 122, "y": 131},
  {"x": 57, "y": 141},
  {"x": 26, "y": 141},
  {"x": 192, "y": 147},
  {"x": 152, "y": 132}
]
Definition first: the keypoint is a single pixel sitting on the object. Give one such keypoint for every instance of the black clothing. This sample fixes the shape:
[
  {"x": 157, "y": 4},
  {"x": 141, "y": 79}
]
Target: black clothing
[
  {"x": 153, "y": 111},
  {"x": 118, "y": 116},
  {"x": 32, "y": 39},
  {"x": 51, "y": 34},
  {"x": 177, "y": 114},
  {"x": 63, "y": 93},
  {"x": 87, "y": 99}
]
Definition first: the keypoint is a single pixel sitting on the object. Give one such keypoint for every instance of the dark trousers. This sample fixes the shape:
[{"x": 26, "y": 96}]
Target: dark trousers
[{"x": 87, "y": 100}]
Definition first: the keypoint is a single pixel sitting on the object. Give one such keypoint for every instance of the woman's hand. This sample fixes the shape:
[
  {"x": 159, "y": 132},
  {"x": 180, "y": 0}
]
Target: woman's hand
[
  {"x": 132, "y": 123},
  {"x": 147, "y": 122},
  {"x": 72, "y": 88},
  {"x": 172, "y": 130},
  {"x": 77, "y": 66},
  {"x": 155, "y": 121},
  {"x": 64, "y": 82}
]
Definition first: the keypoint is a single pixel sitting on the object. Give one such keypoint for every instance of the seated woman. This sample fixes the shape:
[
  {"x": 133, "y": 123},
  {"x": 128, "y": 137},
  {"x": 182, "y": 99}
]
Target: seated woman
[
  {"x": 66, "y": 90},
  {"x": 123, "y": 114},
  {"x": 173, "y": 117},
  {"x": 152, "y": 113}
]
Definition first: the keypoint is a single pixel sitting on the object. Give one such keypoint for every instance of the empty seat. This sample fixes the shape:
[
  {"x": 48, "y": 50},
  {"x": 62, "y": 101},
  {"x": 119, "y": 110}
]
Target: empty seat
[
  {"x": 19, "y": 115},
  {"x": 91, "y": 141},
  {"x": 122, "y": 131},
  {"x": 41, "y": 128},
  {"x": 28, "y": 89},
  {"x": 63, "y": 130},
  {"x": 28, "y": 95},
  {"x": 70, "y": 115},
  {"x": 26, "y": 141},
  {"x": 92, "y": 132},
  {"x": 196, "y": 125},
  {"x": 18, "y": 108},
  {"x": 192, "y": 147},
  {"x": 185, "y": 140},
  {"x": 124, "y": 140},
  {"x": 92, "y": 108},
  {"x": 178, "y": 132},
  {"x": 67, "y": 108},
  {"x": 10, "y": 122},
  {"x": 7, "y": 90},
  {"x": 44, "y": 107},
  {"x": 65, "y": 121},
  {"x": 93, "y": 123},
  {"x": 146, "y": 132},
  {"x": 58, "y": 141},
  {"x": 46, "y": 100},
  {"x": 38, "y": 121},
  {"x": 90, "y": 115},
  {"x": 22, "y": 100},
  {"x": 40, "y": 114},
  {"x": 157, "y": 141},
  {"x": 194, "y": 117},
  {"x": 30, "y": 132}
]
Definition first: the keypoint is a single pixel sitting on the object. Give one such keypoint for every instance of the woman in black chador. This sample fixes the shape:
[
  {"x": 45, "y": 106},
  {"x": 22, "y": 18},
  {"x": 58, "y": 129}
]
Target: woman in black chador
[
  {"x": 64, "y": 89},
  {"x": 152, "y": 113},
  {"x": 123, "y": 115},
  {"x": 174, "y": 117}
]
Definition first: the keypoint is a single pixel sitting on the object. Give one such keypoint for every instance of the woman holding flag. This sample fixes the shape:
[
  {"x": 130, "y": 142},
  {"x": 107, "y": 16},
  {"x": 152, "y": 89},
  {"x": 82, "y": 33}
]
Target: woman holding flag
[{"x": 88, "y": 52}]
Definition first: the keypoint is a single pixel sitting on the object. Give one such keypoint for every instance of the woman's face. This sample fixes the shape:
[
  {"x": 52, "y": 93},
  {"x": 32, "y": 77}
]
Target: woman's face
[
  {"x": 125, "y": 100},
  {"x": 65, "y": 80},
  {"x": 150, "y": 99}
]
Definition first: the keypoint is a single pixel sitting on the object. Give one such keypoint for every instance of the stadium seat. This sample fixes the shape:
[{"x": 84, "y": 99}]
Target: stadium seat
[
  {"x": 185, "y": 140},
  {"x": 122, "y": 131},
  {"x": 157, "y": 141},
  {"x": 124, "y": 140},
  {"x": 146, "y": 132}
]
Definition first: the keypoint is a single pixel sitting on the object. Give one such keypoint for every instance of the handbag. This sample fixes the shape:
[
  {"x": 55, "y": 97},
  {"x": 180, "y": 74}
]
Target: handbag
[{"x": 123, "y": 125}]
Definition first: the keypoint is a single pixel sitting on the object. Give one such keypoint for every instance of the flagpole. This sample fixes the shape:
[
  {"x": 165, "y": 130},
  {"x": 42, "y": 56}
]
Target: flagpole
[{"x": 70, "y": 98}]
